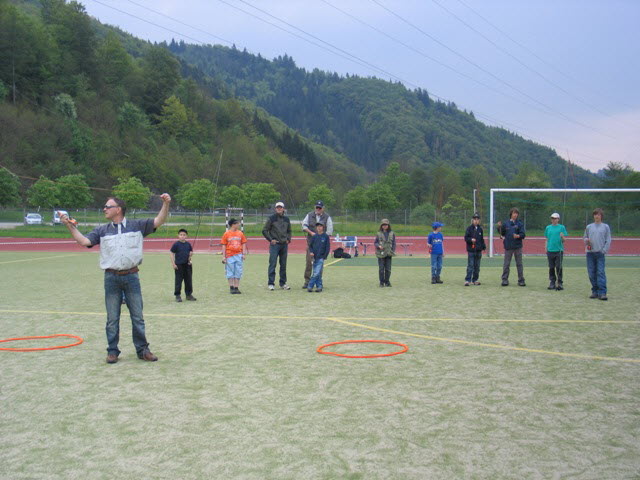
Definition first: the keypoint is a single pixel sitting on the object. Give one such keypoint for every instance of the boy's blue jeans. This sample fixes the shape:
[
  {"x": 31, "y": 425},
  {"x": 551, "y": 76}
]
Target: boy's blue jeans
[
  {"x": 597, "y": 276},
  {"x": 114, "y": 286},
  {"x": 473, "y": 266},
  {"x": 316, "y": 275},
  {"x": 436, "y": 264}
]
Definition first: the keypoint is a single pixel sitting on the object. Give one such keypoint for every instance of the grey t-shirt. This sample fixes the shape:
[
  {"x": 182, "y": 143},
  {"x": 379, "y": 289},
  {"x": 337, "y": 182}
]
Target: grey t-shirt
[{"x": 121, "y": 244}]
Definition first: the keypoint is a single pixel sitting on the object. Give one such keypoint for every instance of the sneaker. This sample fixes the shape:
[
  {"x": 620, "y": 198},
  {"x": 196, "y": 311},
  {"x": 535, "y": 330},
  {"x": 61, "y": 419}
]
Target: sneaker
[
  {"x": 433, "y": 280},
  {"x": 438, "y": 280},
  {"x": 310, "y": 290},
  {"x": 112, "y": 358},
  {"x": 388, "y": 284},
  {"x": 551, "y": 286},
  {"x": 305, "y": 286},
  {"x": 285, "y": 287},
  {"x": 318, "y": 290},
  {"x": 237, "y": 291},
  {"x": 603, "y": 298},
  {"x": 191, "y": 298},
  {"x": 505, "y": 284},
  {"x": 477, "y": 283},
  {"x": 522, "y": 284},
  {"x": 271, "y": 288},
  {"x": 178, "y": 298},
  {"x": 466, "y": 284},
  {"x": 559, "y": 287},
  {"x": 382, "y": 285},
  {"x": 593, "y": 295}
]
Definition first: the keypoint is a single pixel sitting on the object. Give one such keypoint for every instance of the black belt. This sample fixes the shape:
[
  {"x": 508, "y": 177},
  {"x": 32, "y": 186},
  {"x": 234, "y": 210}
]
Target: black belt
[{"x": 123, "y": 272}]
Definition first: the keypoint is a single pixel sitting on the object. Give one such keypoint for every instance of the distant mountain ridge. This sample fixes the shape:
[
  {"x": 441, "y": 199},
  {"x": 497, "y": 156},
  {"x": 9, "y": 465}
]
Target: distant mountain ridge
[{"x": 372, "y": 121}]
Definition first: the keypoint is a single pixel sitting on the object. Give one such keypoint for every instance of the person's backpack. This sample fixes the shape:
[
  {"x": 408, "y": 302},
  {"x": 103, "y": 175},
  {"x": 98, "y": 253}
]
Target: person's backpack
[
  {"x": 339, "y": 253},
  {"x": 346, "y": 255}
]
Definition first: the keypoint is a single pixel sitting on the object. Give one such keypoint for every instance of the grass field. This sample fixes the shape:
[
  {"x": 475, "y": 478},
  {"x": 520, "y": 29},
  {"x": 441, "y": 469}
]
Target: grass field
[{"x": 498, "y": 382}]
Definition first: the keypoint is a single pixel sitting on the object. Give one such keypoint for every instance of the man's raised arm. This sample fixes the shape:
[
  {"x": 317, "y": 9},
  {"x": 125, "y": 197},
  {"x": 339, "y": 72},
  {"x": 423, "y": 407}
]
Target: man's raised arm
[
  {"x": 164, "y": 211},
  {"x": 75, "y": 233}
]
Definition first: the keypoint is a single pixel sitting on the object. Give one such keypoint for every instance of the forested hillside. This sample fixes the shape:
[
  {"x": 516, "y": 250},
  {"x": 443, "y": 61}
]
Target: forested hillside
[
  {"x": 81, "y": 98},
  {"x": 375, "y": 122}
]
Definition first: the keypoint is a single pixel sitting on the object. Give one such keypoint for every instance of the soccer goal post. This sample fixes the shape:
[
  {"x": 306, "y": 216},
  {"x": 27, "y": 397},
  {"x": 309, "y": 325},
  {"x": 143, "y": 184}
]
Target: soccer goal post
[{"x": 543, "y": 190}]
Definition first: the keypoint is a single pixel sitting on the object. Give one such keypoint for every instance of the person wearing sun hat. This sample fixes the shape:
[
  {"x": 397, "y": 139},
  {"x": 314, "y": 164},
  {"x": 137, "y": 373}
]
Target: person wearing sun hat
[
  {"x": 554, "y": 235},
  {"x": 385, "y": 244}
]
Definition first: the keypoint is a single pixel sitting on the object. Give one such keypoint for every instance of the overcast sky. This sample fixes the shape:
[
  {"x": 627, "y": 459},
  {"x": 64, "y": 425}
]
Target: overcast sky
[{"x": 564, "y": 73}]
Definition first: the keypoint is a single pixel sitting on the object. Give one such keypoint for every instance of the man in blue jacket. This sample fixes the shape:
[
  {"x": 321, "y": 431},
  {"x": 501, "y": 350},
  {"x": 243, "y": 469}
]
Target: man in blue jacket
[{"x": 512, "y": 233}]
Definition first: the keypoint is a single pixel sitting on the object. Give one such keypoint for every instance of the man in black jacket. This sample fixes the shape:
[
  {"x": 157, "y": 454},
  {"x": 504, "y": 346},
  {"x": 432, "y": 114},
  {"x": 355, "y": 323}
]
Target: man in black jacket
[
  {"x": 474, "y": 237},
  {"x": 277, "y": 230},
  {"x": 512, "y": 232}
]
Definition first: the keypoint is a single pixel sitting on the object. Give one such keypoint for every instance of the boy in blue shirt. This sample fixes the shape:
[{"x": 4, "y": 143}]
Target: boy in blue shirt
[
  {"x": 554, "y": 245},
  {"x": 435, "y": 242},
  {"x": 319, "y": 249}
]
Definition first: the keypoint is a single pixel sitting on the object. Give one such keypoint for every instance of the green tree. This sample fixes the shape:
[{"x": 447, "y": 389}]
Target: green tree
[
  {"x": 324, "y": 193},
  {"x": 446, "y": 181},
  {"x": 423, "y": 214},
  {"x": 173, "y": 121},
  {"x": 133, "y": 192},
  {"x": 356, "y": 199},
  {"x": 197, "y": 195},
  {"x": 9, "y": 188},
  {"x": 398, "y": 181},
  {"x": 382, "y": 198},
  {"x": 130, "y": 117},
  {"x": 43, "y": 193},
  {"x": 73, "y": 191},
  {"x": 115, "y": 66},
  {"x": 66, "y": 106},
  {"x": 161, "y": 72},
  {"x": 233, "y": 196},
  {"x": 260, "y": 195}
]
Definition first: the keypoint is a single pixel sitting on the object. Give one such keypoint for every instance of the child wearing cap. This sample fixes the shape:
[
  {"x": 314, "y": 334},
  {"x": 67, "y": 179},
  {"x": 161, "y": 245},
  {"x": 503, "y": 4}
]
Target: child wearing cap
[
  {"x": 319, "y": 251},
  {"x": 554, "y": 245},
  {"x": 385, "y": 243},
  {"x": 435, "y": 242},
  {"x": 474, "y": 238},
  {"x": 234, "y": 250}
]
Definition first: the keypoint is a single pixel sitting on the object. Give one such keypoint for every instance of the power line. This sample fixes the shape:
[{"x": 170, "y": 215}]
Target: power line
[
  {"x": 481, "y": 68},
  {"x": 531, "y": 69}
]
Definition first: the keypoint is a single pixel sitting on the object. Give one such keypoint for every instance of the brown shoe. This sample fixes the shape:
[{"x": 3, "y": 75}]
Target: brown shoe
[
  {"x": 149, "y": 357},
  {"x": 112, "y": 358}
]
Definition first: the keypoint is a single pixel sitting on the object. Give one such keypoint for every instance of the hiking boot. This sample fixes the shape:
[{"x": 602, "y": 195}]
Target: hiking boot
[
  {"x": 593, "y": 295},
  {"x": 305, "y": 286},
  {"x": 388, "y": 284},
  {"x": 505, "y": 284},
  {"x": 552, "y": 286},
  {"x": 237, "y": 291},
  {"x": 112, "y": 358},
  {"x": 438, "y": 279},
  {"x": 382, "y": 285},
  {"x": 433, "y": 280},
  {"x": 603, "y": 298},
  {"x": 148, "y": 356},
  {"x": 191, "y": 298},
  {"x": 522, "y": 284},
  {"x": 285, "y": 287},
  {"x": 271, "y": 288},
  {"x": 559, "y": 287},
  {"x": 178, "y": 298}
]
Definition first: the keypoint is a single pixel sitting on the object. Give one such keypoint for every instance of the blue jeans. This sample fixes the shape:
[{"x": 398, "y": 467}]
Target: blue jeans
[
  {"x": 278, "y": 251},
  {"x": 316, "y": 275},
  {"x": 597, "y": 276},
  {"x": 473, "y": 266},
  {"x": 114, "y": 287},
  {"x": 436, "y": 264}
]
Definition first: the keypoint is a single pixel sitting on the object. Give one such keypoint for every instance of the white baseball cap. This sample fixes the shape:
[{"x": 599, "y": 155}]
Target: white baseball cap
[
  {"x": 280, "y": 204},
  {"x": 555, "y": 215}
]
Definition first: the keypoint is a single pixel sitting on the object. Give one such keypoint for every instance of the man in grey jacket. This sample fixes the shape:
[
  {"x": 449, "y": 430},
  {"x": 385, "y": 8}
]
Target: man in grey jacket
[
  {"x": 597, "y": 239},
  {"x": 277, "y": 231},
  {"x": 309, "y": 227}
]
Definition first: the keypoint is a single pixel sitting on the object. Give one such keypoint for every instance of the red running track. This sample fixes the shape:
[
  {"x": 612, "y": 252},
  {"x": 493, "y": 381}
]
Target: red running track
[{"x": 410, "y": 245}]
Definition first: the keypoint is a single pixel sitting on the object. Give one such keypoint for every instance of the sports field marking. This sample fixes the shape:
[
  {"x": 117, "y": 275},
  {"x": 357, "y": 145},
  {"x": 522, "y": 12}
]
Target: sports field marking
[
  {"x": 334, "y": 262},
  {"x": 41, "y": 258},
  {"x": 343, "y": 320},
  {"x": 488, "y": 345},
  {"x": 306, "y": 317}
]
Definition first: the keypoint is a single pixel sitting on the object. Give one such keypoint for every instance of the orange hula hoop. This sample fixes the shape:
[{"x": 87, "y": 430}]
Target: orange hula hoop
[
  {"x": 80, "y": 340},
  {"x": 404, "y": 347}
]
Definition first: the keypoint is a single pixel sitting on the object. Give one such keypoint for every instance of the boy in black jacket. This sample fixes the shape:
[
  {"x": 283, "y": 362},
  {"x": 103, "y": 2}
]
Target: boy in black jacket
[
  {"x": 277, "y": 230},
  {"x": 319, "y": 249},
  {"x": 474, "y": 236}
]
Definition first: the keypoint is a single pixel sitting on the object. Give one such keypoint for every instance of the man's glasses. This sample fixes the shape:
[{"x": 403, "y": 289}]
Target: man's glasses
[
  {"x": 318, "y": 208},
  {"x": 107, "y": 207}
]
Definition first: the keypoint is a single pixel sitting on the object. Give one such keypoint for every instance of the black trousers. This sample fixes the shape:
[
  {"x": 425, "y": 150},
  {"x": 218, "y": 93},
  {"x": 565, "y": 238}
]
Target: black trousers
[
  {"x": 183, "y": 272},
  {"x": 384, "y": 269},
  {"x": 555, "y": 267}
]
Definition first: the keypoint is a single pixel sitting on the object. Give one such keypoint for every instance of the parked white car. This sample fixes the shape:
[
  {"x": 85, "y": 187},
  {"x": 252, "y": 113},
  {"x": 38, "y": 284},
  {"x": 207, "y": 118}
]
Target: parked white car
[
  {"x": 33, "y": 219},
  {"x": 56, "y": 216}
]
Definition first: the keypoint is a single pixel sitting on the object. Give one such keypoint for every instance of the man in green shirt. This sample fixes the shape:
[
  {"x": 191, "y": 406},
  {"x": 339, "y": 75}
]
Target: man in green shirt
[{"x": 554, "y": 245}]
